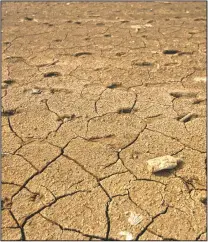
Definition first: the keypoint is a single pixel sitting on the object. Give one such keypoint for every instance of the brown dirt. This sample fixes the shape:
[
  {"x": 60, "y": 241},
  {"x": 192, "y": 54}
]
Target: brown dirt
[{"x": 90, "y": 92}]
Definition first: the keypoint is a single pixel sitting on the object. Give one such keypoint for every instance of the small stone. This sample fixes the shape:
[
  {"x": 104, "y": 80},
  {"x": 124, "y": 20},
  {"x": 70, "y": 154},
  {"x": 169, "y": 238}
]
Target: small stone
[
  {"x": 188, "y": 117},
  {"x": 136, "y": 27},
  {"x": 36, "y": 91},
  {"x": 148, "y": 25},
  {"x": 127, "y": 234},
  {"x": 66, "y": 120},
  {"x": 162, "y": 163},
  {"x": 134, "y": 218},
  {"x": 135, "y": 155}
]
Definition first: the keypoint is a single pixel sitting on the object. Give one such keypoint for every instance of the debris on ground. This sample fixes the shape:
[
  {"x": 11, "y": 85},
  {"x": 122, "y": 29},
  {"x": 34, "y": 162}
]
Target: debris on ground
[{"x": 162, "y": 163}]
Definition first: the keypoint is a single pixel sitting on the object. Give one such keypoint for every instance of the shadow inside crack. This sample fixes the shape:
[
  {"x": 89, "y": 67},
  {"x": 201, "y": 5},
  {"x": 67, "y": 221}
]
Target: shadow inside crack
[{"x": 8, "y": 113}]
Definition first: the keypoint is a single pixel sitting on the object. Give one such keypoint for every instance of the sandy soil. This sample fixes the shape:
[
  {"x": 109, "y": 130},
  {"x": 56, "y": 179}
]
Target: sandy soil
[{"x": 90, "y": 92}]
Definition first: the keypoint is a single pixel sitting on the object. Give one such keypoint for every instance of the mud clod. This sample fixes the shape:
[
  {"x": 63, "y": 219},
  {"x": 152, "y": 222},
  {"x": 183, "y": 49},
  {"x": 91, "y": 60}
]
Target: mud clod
[
  {"x": 8, "y": 113},
  {"x": 178, "y": 94},
  {"x": 107, "y": 35},
  {"x": 143, "y": 63},
  {"x": 28, "y": 18},
  {"x": 82, "y": 53},
  {"x": 52, "y": 74},
  {"x": 77, "y": 22},
  {"x": 114, "y": 85},
  {"x": 170, "y": 52},
  {"x": 124, "y": 110},
  {"x": 120, "y": 53},
  {"x": 9, "y": 81}
]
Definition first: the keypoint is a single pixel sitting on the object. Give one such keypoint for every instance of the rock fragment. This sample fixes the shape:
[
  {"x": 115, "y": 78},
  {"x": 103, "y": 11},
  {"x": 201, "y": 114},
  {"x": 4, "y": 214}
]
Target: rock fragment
[
  {"x": 178, "y": 94},
  {"x": 188, "y": 117},
  {"x": 162, "y": 163},
  {"x": 134, "y": 218},
  {"x": 128, "y": 235},
  {"x": 36, "y": 91}
]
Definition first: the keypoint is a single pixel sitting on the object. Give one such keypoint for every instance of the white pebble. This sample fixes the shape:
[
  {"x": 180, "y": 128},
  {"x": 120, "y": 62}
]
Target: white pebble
[
  {"x": 136, "y": 26},
  {"x": 162, "y": 163},
  {"x": 128, "y": 235},
  {"x": 134, "y": 218},
  {"x": 36, "y": 91},
  {"x": 66, "y": 120}
]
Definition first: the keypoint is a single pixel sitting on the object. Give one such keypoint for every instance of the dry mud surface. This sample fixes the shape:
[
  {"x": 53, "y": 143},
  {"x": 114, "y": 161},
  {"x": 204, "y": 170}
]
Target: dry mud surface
[{"x": 90, "y": 92}]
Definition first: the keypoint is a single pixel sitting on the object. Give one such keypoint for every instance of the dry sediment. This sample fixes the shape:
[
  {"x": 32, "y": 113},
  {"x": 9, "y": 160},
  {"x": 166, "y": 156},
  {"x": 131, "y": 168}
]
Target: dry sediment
[{"x": 90, "y": 93}]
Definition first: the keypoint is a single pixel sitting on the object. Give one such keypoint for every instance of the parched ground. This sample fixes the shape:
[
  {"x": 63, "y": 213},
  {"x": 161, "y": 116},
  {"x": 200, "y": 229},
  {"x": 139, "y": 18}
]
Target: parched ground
[{"x": 90, "y": 92}]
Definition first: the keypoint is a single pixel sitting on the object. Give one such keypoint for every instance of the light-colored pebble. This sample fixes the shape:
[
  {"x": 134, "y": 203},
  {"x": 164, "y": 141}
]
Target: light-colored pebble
[
  {"x": 66, "y": 120},
  {"x": 134, "y": 218},
  {"x": 188, "y": 117},
  {"x": 162, "y": 163},
  {"x": 36, "y": 91},
  {"x": 127, "y": 234}
]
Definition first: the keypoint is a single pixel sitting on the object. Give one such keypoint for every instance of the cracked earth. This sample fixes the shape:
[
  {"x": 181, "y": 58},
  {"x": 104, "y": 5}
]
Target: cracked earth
[{"x": 90, "y": 92}]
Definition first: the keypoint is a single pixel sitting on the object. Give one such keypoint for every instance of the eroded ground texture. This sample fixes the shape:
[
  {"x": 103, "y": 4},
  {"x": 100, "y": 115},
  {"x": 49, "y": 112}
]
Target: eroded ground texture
[{"x": 90, "y": 92}]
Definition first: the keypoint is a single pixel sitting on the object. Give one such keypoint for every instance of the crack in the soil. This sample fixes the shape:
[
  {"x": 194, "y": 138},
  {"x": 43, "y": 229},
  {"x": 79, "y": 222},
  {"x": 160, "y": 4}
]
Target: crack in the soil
[
  {"x": 18, "y": 225},
  {"x": 152, "y": 220},
  {"x": 40, "y": 171},
  {"x": 11, "y": 128},
  {"x": 73, "y": 230},
  {"x": 49, "y": 205},
  {"x": 176, "y": 139},
  {"x": 161, "y": 37}
]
